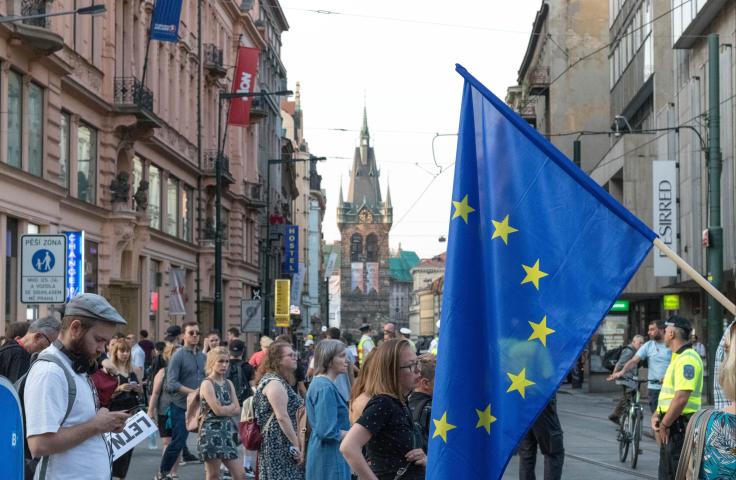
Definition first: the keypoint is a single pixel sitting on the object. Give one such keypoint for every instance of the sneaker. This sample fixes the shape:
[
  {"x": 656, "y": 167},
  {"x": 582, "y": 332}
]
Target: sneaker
[
  {"x": 162, "y": 476},
  {"x": 187, "y": 459},
  {"x": 249, "y": 473}
]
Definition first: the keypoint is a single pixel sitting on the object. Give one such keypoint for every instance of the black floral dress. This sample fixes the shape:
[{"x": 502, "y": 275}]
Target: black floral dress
[
  {"x": 274, "y": 460},
  {"x": 217, "y": 437}
]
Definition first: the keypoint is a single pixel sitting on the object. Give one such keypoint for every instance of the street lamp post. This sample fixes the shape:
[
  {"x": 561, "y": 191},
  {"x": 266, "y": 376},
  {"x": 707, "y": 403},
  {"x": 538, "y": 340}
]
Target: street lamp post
[
  {"x": 98, "y": 9},
  {"x": 218, "y": 193},
  {"x": 267, "y": 270}
]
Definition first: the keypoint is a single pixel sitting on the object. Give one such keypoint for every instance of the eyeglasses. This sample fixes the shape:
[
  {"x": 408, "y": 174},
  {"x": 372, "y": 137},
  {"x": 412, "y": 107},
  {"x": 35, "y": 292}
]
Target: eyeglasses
[
  {"x": 414, "y": 366},
  {"x": 192, "y": 333},
  {"x": 47, "y": 338}
]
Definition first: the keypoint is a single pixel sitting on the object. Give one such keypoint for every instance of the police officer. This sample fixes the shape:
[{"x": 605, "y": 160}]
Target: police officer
[
  {"x": 679, "y": 398},
  {"x": 365, "y": 345}
]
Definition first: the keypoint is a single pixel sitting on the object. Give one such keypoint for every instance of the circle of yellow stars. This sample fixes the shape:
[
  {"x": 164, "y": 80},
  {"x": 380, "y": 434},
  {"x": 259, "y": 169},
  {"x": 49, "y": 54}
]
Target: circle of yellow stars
[{"x": 540, "y": 331}]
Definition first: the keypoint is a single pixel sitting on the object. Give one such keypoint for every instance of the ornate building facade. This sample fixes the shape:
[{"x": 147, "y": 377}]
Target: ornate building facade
[{"x": 364, "y": 220}]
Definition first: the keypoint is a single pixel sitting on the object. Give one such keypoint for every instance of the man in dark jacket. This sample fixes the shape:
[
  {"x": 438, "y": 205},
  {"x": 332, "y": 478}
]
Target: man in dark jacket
[{"x": 15, "y": 354}]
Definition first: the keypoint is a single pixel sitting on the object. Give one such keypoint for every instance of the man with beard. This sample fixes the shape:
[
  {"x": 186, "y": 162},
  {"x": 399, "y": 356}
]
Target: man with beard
[
  {"x": 70, "y": 437},
  {"x": 658, "y": 356}
]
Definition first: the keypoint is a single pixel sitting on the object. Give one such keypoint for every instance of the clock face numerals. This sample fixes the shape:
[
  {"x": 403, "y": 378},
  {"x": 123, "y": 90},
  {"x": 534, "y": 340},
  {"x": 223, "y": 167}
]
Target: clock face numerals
[{"x": 365, "y": 217}]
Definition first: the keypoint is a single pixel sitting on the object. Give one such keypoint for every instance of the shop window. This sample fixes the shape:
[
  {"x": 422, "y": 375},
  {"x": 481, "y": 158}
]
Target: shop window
[
  {"x": 154, "y": 197},
  {"x": 35, "y": 130},
  {"x": 11, "y": 267},
  {"x": 90, "y": 266},
  {"x": 64, "y": 150},
  {"x": 172, "y": 214},
  {"x": 15, "y": 118},
  {"x": 86, "y": 163}
]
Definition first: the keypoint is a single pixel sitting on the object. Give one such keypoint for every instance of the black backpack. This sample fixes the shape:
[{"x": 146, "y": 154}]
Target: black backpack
[
  {"x": 238, "y": 374},
  {"x": 30, "y": 462},
  {"x": 610, "y": 359}
]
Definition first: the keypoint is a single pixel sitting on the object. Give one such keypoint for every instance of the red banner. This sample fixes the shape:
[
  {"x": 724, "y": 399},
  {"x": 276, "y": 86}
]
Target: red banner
[{"x": 244, "y": 81}]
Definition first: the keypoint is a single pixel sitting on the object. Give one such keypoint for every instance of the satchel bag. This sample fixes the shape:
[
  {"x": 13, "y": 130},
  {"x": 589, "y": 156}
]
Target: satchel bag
[
  {"x": 688, "y": 467},
  {"x": 250, "y": 432}
]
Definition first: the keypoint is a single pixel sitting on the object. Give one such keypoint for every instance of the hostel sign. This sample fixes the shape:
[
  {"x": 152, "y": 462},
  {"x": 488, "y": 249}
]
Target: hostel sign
[
  {"x": 291, "y": 249},
  {"x": 42, "y": 272}
]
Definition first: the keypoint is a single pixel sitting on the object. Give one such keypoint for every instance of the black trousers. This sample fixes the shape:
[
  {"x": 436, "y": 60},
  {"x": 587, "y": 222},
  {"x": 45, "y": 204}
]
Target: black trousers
[
  {"x": 547, "y": 434},
  {"x": 669, "y": 453}
]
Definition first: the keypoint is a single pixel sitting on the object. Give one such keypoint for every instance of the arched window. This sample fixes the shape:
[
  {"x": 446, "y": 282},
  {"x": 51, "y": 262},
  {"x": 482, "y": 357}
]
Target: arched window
[
  {"x": 356, "y": 248},
  {"x": 371, "y": 248}
]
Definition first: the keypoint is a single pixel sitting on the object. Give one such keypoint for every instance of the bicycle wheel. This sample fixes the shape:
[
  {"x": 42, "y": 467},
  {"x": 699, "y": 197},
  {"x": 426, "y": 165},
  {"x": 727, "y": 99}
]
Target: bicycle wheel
[
  {"x": 624, "y": 438},
  {"x": 635, "y": 437}
]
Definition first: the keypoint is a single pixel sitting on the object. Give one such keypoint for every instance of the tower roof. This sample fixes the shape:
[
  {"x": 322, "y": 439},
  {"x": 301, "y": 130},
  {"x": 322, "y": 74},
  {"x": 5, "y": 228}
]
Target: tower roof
[{"x": 364, "y": 188}]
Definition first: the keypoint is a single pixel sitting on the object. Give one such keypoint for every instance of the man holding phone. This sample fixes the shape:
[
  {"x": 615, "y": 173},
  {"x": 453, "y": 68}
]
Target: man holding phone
[{"x": 70, "y": 437}]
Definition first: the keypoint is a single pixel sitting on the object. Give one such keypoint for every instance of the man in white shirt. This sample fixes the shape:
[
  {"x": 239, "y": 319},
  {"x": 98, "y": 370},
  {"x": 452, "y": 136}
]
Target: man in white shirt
[
  {"x": 73, "y": 445},
  {"x": 137, "y": 355}
]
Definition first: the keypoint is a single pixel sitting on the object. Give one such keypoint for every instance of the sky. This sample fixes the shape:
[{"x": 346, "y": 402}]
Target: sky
[{"x": 398, "y": 56}]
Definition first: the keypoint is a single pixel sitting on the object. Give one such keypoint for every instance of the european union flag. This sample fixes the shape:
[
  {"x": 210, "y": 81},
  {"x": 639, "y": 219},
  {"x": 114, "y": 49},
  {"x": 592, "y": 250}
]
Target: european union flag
[{"x": 537, "y": 254}]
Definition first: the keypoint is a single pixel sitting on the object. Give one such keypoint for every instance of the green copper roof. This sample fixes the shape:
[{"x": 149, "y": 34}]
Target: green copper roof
[{"x": 400, "y": 266}]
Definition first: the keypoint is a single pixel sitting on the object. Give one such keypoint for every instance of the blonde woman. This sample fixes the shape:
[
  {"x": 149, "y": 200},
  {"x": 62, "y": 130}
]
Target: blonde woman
[
  {"x": 216, "y": 441},
  {"x": 126, "y": 396},
  {"x": 385, "y": 428},
  {"x": 158, "y": 405}
]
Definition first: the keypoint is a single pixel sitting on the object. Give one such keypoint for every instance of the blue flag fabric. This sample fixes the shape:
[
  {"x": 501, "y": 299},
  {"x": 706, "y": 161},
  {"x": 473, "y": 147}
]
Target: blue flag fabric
[
  {"x": 537, "y": 254},
  {"x": 165, "y": 20}
]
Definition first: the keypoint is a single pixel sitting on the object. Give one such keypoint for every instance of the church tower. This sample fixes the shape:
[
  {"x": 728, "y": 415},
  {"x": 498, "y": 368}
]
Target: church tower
[{"x": 364, "y": 220}]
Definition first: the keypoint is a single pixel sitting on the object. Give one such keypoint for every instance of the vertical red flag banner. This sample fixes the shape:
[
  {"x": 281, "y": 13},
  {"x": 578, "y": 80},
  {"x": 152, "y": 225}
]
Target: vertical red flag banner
[{"x": 244, "y": 80}]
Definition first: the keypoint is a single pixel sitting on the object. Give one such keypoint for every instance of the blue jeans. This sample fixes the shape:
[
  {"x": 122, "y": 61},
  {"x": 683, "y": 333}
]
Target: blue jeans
[{"x": 179, "y": 434}]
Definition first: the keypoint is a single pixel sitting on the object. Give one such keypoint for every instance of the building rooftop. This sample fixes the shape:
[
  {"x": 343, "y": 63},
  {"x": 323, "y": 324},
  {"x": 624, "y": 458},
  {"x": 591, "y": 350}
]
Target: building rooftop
[
  {"x": 438, "y": 261},
  {"x": 400, "y": 266}
]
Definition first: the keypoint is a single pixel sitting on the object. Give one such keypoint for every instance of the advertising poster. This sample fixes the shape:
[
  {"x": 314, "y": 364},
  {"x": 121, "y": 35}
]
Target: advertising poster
[{"x": 356, "y": 277}]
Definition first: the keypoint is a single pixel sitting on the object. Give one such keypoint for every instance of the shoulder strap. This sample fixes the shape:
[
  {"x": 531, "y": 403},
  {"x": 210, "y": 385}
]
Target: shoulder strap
[
  {"x": 71, "y": 396},
  {"x": 692, "y": 450}
]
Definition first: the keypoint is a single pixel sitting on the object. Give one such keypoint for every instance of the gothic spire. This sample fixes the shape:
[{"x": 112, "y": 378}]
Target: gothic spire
[
  {"x": 364, "y": 135},
  {"x": 388, "y": 194}
]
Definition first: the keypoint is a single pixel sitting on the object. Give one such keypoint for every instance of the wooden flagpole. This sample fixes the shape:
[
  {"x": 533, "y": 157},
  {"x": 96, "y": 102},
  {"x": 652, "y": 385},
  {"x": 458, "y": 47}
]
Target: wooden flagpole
[{"x": 692, "y": 273}]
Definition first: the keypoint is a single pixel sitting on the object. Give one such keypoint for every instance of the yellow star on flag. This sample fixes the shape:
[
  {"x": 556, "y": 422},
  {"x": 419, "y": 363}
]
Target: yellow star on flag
[
  {"x": 462, "y": 209},
  {"x": 540, "y": 331},
  {"x": 503, "y": 229},
  {"x": 485, "y": 419},
  {"x": 441, "y": 427},
  {"x": 533, "y": 274},
  {"x": 519, "y": 382}
]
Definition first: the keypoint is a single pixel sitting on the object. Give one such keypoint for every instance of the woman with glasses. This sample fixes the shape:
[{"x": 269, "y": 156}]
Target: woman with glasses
[
  {"x": 275, "y": 404},
  {"x": 386, "y": 428},
  {"x": 216, "y": 441},
  {"x": 327, "y": 413}
]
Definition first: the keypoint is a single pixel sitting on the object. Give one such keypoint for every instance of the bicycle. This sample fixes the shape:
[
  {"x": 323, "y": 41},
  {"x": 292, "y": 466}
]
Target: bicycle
[{"x": 630, "y": 426}]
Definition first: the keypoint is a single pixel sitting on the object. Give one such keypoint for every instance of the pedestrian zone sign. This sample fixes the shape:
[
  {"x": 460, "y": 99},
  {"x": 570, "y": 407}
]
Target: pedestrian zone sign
[{"x": 42, "y": 269}]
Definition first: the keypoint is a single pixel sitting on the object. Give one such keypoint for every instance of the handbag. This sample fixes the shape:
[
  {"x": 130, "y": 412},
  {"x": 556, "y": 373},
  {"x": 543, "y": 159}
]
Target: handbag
[{"x": 250, "y": 432}]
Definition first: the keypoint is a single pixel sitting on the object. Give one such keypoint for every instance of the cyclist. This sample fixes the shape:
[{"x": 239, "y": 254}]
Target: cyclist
[
  {"x": 655, "y": 351},
  {"x": 626, "y": 381}
]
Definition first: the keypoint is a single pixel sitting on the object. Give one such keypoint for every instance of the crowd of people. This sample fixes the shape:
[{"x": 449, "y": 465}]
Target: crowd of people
[{"x": 331, "y": 411}]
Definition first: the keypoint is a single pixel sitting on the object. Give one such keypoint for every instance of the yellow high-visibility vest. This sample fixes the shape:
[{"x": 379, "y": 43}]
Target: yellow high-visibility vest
[{"x": 685, "y": 372}]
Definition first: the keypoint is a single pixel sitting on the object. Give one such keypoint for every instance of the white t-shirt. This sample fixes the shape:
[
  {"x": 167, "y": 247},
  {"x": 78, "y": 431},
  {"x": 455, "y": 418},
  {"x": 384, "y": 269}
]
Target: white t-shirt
[
  {"x": 137, "y": 357},
  {"x": 46, "y": 396}
]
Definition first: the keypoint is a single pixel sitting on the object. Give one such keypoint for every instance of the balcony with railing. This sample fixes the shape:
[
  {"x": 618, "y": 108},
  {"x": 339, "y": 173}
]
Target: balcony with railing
[
  {"x": 539, "y": 81},
  {"x": 210, "y": 165},
  {"x": 131, "y": 96},
  {"x": 213, "y": 61},
  {"x": 33, "y": 32}
]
